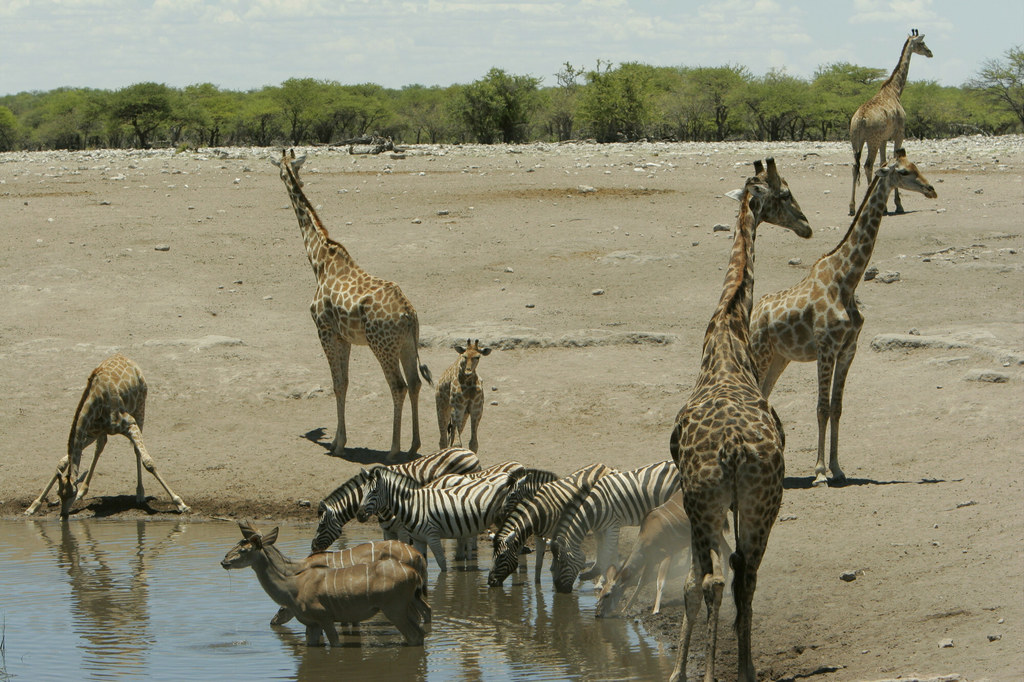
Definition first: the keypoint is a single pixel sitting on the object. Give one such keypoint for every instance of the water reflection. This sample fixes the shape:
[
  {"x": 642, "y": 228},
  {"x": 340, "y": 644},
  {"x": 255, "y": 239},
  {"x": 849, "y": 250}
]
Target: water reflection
[
  {"x": 97, "y": 599},
  {"x": 109, "y": 595}
]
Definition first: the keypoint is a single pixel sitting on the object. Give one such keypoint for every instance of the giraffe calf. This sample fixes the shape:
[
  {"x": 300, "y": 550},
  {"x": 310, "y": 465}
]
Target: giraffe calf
[{"x": 460, "y": 395}]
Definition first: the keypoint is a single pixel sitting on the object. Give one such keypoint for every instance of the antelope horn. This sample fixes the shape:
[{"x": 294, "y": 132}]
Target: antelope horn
[
  {"x": 773, "y": 174},
  {"x": 758, "y": 167}
]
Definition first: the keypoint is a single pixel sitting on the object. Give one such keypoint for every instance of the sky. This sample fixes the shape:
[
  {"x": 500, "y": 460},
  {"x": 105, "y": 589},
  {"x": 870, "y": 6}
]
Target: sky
[{"x": 247, "y": 44}]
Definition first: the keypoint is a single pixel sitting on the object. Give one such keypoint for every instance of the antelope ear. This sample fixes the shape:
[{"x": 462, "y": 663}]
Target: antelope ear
[
  {"x": 275, "y": 162},
  {"x": 271, "y": 537},
  {"x": 736, "y": 194},
  {"x": 297, "y": 163},
  {"x": 485, "y": 351},
  {"x": 247, "y": 529},
  {"x": 901, "y": 153},
  {"x": 459, "y": 349}
]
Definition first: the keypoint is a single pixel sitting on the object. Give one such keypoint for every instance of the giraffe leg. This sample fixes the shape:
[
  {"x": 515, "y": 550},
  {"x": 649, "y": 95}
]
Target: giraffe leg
[
  {"x": 869, "y": 163},
  {"x": 691, "y": 607},
  {"x": 857, "y": 149},
  {"x": 389, "y": 362},
  {"x": 457, "y": 424},
  {"x": 897, "y": 143},
  {"x": 412, "y": 380},
  {"x": 757, "y": 505},
  {"x": 101, "y": 442},
  {"x": 476, "y": 412},
  {"x": 444, "y": 417},
  {"x": 826, "y": 364},
  {"x": 337, "y": 351},
  {"x": 843, "y": 363},
  {"x": 143, "y": 460},
  {"x": 772, "y": 373},
  {"x": 62, "y": 465}
]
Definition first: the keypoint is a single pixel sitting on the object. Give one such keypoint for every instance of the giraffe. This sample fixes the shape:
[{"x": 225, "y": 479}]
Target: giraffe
[
  {"x": 727, "y": 441},
  {"x": 351, "y": 306},
  {"x": 460, "y": 394},
  {"x": 881, "y": 118},
  {"x": 113, "y": 402},
  {"x": 817, "y": 319}
]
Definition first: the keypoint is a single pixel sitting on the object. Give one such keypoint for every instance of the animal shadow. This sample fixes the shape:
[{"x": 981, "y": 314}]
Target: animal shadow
[
  {"x": 356, "y": 455},
  {"x": 807, "y": 482}
]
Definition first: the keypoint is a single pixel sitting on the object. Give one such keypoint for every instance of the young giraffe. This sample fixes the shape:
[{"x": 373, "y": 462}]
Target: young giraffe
[
  {"x": 881, "y": 118},
  {"x": 817, "y": 319},
  {"x": 460, "y": 395},
  {"x": 113, "y": 402},
  {"x": 727, "y": 441},
  {"x": 351, "y": 306}
]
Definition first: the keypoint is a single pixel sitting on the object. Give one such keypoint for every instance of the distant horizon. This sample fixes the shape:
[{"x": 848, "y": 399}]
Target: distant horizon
[{"x": 400, "y": 43}]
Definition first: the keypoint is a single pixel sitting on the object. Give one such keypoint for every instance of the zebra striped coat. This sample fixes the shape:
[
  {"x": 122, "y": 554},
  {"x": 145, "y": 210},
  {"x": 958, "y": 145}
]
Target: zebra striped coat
[
  {"x": 620, "y": 499},
  {"x": 340, "y": 506},
  {"x": 538, "y": 515},
  {"x": 429, "y": 514}
]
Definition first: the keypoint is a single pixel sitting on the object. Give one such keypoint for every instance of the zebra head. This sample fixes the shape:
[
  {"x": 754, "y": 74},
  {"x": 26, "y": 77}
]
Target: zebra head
[
  {"x": 371, "y": 496},
  {"x": 328, "y": 529},
  {"x": 506, "y": 557},
  {"x": 566, "y": 566}
]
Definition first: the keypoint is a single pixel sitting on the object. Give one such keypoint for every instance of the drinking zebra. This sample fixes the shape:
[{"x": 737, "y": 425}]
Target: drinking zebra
[
  {"x": 538, "y": 515},
  {"x": 616, "y": 500},
  {"x": 429, "y": 514},
  {"x": 340, "y": 506}
]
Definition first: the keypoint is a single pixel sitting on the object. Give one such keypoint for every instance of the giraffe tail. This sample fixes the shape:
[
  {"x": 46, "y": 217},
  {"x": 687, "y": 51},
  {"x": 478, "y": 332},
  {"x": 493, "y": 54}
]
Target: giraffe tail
[{"x": 425, "y": 371}]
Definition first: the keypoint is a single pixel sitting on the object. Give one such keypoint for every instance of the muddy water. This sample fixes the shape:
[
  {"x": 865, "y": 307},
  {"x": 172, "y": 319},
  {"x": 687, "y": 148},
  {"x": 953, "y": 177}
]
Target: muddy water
[{"x": 103, "y": 599}]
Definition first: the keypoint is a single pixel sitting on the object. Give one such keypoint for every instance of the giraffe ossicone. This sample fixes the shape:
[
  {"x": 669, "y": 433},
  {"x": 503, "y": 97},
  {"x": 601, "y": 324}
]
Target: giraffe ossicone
[
  {"x": 352, "y": 307},
  {"x": 728, "y": 442},
  {"x": 113, "y": 402},
  {"x": 818, "y": 320},
  {"x": 882, "y": 118}
]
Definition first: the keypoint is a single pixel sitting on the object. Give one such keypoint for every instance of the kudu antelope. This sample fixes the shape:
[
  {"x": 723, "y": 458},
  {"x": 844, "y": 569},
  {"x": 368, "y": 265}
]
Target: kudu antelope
[{"x": 319, "y": 596}]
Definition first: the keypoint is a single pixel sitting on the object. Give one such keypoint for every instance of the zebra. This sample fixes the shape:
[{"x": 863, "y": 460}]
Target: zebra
[
  {"x": 429, "y": 514},
  {"x": 620, "y": 499},
  {"x": 340, "y": 506},
  {"x": 538, "y": 515}
]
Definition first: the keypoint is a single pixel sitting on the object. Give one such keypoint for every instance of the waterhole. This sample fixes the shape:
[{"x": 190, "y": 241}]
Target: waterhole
[{"x": 103, "y": 599}]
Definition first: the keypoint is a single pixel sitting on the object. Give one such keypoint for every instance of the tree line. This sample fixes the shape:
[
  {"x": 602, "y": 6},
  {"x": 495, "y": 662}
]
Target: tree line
[{"x": 628, "y": 101}]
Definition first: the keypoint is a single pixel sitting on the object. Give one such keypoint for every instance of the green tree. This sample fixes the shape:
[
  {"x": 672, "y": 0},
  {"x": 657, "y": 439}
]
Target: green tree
[
  {"x": 776, "y": 105},
  {"x": 8, "y": 129},
  {"x": 422, "y": 113},
  {"x": 209, "y": 110},
  {"x": 144, "y": 107},
  {"x": 299, "y": 100},
  {"x": 260, "y": 117},
  {"x": 499, "y": 105},
  {"x": 1003, "y": 81},
  {"x": 617, "y": 104},
  {"x": 837, "y": 90}
]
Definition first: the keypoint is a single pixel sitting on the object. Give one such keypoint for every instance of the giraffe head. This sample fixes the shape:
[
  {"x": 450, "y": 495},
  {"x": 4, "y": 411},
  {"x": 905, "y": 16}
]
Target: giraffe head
[
  {"x": 771, "y": 201},
  {"x": 916, "y": 44},
  {"x": 289, "y": 166},
  {"x": 67, "y": 490},
  {"x": 903, "y": 174},
  {"x": 469, "y": 357}
]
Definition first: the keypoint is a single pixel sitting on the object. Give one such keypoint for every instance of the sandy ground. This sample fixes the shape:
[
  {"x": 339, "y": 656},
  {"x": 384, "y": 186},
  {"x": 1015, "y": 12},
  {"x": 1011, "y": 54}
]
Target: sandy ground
[{"x": 592, "y": 270}]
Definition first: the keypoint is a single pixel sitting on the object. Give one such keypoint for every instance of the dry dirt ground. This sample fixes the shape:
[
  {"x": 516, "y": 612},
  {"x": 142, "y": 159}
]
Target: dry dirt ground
[{"x": 592, "y": 270}]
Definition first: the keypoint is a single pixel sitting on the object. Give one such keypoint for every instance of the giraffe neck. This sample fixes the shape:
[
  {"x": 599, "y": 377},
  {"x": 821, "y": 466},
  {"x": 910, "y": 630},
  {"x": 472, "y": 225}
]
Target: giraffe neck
[
  {"x": 320, "y": 248},
  {"x": 898, "y": 78},
  {"x": 727, "y": 335},
  {"x": 851, "y": 256}
]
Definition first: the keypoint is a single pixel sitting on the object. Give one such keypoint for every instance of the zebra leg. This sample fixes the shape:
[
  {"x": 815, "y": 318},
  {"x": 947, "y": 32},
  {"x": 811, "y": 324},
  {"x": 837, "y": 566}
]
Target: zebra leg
[{"x": 438, "y": 550}]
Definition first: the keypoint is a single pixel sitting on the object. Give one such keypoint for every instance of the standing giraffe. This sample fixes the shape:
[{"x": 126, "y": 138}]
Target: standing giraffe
[
  {"x": 351, "y": 306},
  {"x": 728, "y": 442},
  {"x": 818, "y": 319},
  {"x": 460, "y": 395},
  {"x": 113, "y": 402},
  {"x": 881, "y": 118}
]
